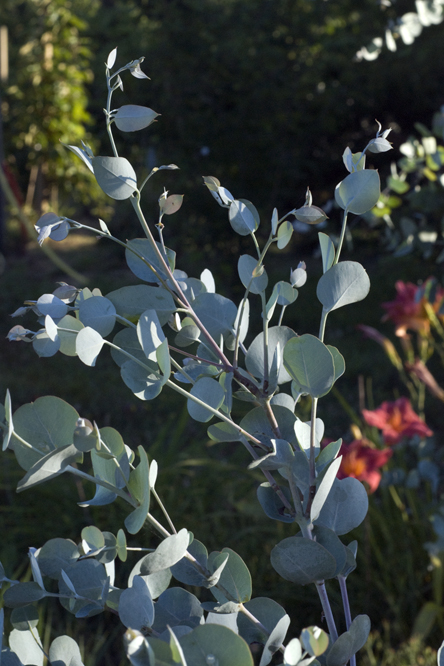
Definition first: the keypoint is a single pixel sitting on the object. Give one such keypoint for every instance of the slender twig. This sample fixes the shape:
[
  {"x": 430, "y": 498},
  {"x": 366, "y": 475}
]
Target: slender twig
[
  {"x": 341, "y": 238},
  {"x": 272, "y": 419},
  {"x": 345, "y": 601},
  {"x": 217, "y": 413},
  {"x": 107, "y": 111},
  {"x": 323, "y": 596},
  {"x": 196, "y": 358},
  {"x": 268, "y": 475},
  {"x": 164, "y": 511},
  {"x": 104, "y": 484},
  {"x": 346, "y": 605}
]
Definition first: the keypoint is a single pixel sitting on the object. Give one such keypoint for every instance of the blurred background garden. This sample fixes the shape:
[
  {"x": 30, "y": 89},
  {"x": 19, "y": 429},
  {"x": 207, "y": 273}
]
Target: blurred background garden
[{"x": 264, "y": 95}]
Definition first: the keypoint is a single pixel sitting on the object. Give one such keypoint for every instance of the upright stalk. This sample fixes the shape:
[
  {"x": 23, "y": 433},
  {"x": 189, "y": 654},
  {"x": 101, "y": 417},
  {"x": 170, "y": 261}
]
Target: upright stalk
[{"x": 341, "y": 238}]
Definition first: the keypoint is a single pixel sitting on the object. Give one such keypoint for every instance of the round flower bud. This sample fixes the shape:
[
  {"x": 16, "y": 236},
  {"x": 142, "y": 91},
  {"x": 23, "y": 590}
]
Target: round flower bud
[{"x": 298, "y": 276}]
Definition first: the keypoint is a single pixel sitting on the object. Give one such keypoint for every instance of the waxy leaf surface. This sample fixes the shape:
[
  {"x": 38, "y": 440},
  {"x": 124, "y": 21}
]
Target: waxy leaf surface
[
  {"x": 64, "y": 651},
  {"x": 139, "y": 487},
  {"x": 302, "y": 561},
  {"x": 177, "y": 606},
  {"x": 359, "y": 191},
  {"x": 209, "y": 391},
  {"x": 243, "y": 217},
  {"x": 344, "y": 283},
  {"x": 140, "y": 268},
  {"x": 116, "y": 176},
  {"x": 131, "y": 117},
  {"x": 215, "y": 644},
  {"x": 136, "y": 607},
  {"x": 235, "y": 578},
  {"x": 254, "y": 361},
  {"x": 99, "y": 313},
  {"x": 47, "y": 424},
  {"x": 310, "y": 363},
  {"x": 27, "y": 646},
  {"x": 168, "y": 552},
  {"x": 245, "y": 266},
  {"x": 50, "y": 466},
  {"x": 346, "y": 507},
  {"x": 89, "y": 344},
  {"x": 327, "y": 250},
  {"x": 216, "y": 312}
]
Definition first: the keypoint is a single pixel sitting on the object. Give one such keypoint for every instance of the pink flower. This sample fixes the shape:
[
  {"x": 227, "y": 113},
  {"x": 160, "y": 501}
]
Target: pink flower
[
  {"x": 396, "y": 420},
  {"x": 362, "y": 461},
  {"x": 424, "y": 375},
  {"x": 407, "y": 311},
  {"x": 385, "y": 343}
]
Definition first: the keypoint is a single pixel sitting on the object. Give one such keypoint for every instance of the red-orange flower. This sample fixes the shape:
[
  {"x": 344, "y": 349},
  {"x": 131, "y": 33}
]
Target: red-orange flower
[
  {"x": 396, "y": 420},
  {"x": 408, "y": 310},
  {"x": 363, "y": 462}
]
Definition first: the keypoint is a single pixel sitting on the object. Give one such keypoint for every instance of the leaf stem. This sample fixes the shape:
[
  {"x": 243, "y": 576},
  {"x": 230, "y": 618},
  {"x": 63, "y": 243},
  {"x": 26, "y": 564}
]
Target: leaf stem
[
  {"x": 268, "y": 475},
  {"x": 197, "y": 358},
  {"x": 283, "y": 308},
  {"x": 128, "y": 355},
  {"x": 164, "y": 511},
  {"x": 341, "y": 238},
  {"x": 104, "y": 484},
  {"x": 181, "y": 370},
  {"x": 322, "y": 325},
  {"x": 323, "y": 596},
  {"x": 257, "y": 622},
  {"x": 128, "y": 247},
  {"x": 345, "y": 601},
  {"x": 27, "y": 444},
  {"x": 114, "y": 459},
  {"x": 217, "y": 413},
  {"x": 265, "y": 330},
  {"x": 108, "y": 112},
  {"x": 155, "y": 523},
  {"x": 346, "y": 605},
  {"x": 135, "y": 201},
  {"x": 272, "y": 419},
  {"x": 296, "y": 498}
]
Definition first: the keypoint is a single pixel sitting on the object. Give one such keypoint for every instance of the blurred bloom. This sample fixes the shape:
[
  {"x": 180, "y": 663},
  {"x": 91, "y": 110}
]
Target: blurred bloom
[
  {"x": 385, "y": 343},
  {"x": 424, "y": 375},
  {"x": 396, "y": 420},
  {"x": 361, "y": 461},
  {"x": 408, "y": 311}
]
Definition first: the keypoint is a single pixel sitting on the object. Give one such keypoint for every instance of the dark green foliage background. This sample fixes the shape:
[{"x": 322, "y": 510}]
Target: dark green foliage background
[{"x": 272, "y": 89}]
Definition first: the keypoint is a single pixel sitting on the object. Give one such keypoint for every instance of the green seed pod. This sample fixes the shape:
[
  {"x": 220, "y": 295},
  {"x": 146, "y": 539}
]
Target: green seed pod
[{"x": 310, "y": 214}]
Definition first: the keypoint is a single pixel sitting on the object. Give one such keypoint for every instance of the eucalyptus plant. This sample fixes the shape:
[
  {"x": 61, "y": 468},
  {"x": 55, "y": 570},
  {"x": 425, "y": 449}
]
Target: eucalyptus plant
[{"x": 176, "y": 332}]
